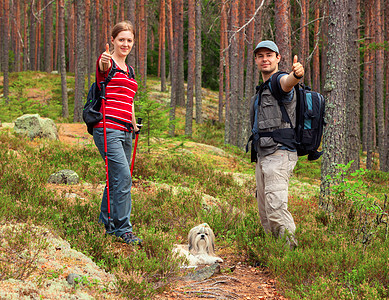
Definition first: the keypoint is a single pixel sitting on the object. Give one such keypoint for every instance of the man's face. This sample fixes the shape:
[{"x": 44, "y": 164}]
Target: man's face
[{"x": 267, "y": 60}]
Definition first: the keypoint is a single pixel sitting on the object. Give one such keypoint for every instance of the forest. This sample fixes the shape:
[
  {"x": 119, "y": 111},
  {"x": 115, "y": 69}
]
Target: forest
[
  {"x": 194, "y": 63},
  {"x": 343, "y": 46}
]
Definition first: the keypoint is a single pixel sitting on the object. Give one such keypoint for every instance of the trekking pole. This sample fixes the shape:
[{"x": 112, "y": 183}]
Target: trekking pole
[
  {"x": 136, "y": 144},
  {"x": 103, "y": 100}
]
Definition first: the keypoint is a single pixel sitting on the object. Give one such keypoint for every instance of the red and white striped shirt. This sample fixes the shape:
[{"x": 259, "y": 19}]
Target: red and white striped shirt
[{"x": 120, "y": 93}]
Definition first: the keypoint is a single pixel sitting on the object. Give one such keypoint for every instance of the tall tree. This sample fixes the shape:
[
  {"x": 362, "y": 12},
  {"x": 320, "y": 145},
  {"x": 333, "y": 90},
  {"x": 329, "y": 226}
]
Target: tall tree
[
  {"x": 6, "y": 50},
  {"x": 316, "y": 53},
  {"x": 62, "y": 58},
  {"x": 223, "y": 46},
  {"x": 71, "y": 45},
  {"x": 178, "y": 36},
  {"x": 379, "y": 23},
  {"x": 131, "y": 17},
  {"x": 48, "y": 36},
  {"x": 249, "y": 86},
  {"x": 353, "y": 86},
  {"x": 32, "y": 35},
  {"x": 142, "y": 48},
  {"x": 191, "y": 66},
  {"x": 162, "y": 48},
  {"x": 198, "y": 67},
  {"x": 369, "y": 88},
  {"x": 386, "y": 165},
  {"x": 18, "y": 37},
  {"x": 283, "y": 32},
  {"x": 80, "y": 71},
  {"x": 38, "y": 15},
  {"x": 336, "y": 91},
  {"x": 234, "y": 52},
  {"x": 173, "y": 68}
]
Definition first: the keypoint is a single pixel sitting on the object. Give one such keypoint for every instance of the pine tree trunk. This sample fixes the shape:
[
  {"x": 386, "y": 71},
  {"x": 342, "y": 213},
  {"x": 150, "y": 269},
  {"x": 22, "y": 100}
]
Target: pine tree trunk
[
  {"x": 283, "y": 33},
  {"x": 162, "y": 51},
  {"x": 335, "y": 91},
  {"x": 25, "y": 44},
  {"x": 379, "y": 22},
  {"x": 71, "y": 24},
  {"x": 178, "y": 34},
  {"x": 38, "y": 38},
  {"x": 316, "y": 53},
  {"x": 353, "y": 87},
  {"x": 48, "y": 37},
  {"x": 131, "y": 58},
  {"x": 62, "y": 58},
  {"x": 386, "y": 166},
  {"x": 249, "y": 90},
  {"x": 198, "y": 67},
  {"x": 228, "y": 77},
  {"x": 80, "y": 71},
  {"x": 6, "y": 43},
  {"x": 303, "y": 42},
  {"x": 370, "y": 90},
  {"x": 234, "y": 61},
  {"x": 223, "y": 46},
  {"x": 241, "y": 107},
  {"x": 324, "y": 44},
  {"x": 173, "y": 66},
  {"x": 55, "y": 62},
  {"x": 142, "y": 41},
  {"x": 32, "y": 37},
  {"x": 18, "y": 62},
  {"x": 191, "y": 66}
]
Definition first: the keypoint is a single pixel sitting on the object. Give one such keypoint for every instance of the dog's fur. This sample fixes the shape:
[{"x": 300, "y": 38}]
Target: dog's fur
[{"x": 201, "y": 247}]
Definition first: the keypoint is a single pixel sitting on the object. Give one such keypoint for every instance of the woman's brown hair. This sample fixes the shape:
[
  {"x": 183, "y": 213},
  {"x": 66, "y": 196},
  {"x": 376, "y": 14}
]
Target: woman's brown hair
[{"x": 122, "y": 26}]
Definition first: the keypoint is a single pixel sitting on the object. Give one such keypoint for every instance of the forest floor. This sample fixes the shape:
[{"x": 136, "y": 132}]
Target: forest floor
[{"x": 244, "y": 282}]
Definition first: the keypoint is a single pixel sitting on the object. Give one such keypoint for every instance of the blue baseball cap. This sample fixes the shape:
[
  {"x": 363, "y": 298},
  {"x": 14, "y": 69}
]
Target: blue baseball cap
[{"x": 267, "y": 44}]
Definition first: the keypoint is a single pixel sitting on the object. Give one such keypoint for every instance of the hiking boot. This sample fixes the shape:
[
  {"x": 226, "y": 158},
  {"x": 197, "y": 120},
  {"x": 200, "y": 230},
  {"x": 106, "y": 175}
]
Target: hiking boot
[{"x": 131, "y": 238}]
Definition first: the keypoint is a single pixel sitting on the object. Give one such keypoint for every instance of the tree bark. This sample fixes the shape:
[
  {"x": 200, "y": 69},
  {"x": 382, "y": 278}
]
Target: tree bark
[
  {"x": 316, "y": 53},
  {"x": 62, "y": 58},
  {"x": 386, "y": 165},
  {"x": 71, "y": 24},
  {"x": 227, "y": 77},
  {"x": 48, "y": 37},
  {"x": 198, "y": 67},
  {"x": 283, "y": 33},
  {"x": 162, "y": 49},
  {"x": 335, "y": 91},
  {"x": 142, "y": 41},
  {"x": 79, "y": 90},
  {"x": 223, "y": 46},
  {"x": 6, "y": 51},
  {"x": 249, "y": 87},
  {"x": 353, "y": 87},
  {"x": 178, "y": 36},
  {"x": 173, "y": 67},
  {"x": 234, "y": 61},
  {"x": 379, "y": 22},
  {"x": 369, "y": 96},
  {"x": 191, "y": 66}
]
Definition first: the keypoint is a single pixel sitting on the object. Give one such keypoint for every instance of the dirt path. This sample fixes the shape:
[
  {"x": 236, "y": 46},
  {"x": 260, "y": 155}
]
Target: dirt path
[{"x": 237, "y": 280}]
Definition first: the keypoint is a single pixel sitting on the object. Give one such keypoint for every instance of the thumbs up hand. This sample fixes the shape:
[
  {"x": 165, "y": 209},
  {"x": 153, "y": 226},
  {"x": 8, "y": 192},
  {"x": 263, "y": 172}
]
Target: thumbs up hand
[
  {"x": 105, "y": 59},
  {"x": 297, "y": 68}
]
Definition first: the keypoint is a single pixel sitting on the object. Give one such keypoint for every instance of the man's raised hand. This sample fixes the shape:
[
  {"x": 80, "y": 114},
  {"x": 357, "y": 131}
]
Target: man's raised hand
[{"x": 297, "y": 68}]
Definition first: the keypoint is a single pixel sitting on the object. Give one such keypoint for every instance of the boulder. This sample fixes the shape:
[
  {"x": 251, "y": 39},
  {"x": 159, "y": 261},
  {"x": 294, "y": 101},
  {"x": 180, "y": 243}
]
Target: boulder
[
  {"x": 64, "y": 177},
  {"x": 32, "y": 125}
]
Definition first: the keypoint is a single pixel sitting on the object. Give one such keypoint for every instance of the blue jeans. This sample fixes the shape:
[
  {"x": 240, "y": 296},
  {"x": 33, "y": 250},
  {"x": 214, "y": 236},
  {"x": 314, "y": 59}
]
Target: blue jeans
[{"x": 119, "y": 146}]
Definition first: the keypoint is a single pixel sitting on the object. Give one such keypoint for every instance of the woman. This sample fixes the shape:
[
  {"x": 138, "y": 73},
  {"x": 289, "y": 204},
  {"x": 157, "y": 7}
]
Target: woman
[{"x": 120, "y": 92}]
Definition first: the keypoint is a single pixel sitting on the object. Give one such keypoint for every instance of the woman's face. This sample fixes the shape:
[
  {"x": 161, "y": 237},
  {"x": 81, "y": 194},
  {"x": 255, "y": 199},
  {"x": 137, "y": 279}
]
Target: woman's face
[{"x": 123, "y": 43}]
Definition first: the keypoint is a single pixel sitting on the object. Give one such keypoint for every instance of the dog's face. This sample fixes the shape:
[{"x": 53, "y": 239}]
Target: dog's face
[{"x": 201, "y": 240}]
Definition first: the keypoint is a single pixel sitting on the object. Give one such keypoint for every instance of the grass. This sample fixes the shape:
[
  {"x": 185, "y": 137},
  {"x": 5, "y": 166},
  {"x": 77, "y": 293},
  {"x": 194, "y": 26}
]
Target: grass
[{"x": 170, "y": 182}]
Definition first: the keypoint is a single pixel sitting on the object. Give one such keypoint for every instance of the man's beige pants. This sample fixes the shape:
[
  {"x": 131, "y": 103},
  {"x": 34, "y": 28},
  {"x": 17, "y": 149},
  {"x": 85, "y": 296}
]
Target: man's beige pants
[{"x": 272, "y": 174}]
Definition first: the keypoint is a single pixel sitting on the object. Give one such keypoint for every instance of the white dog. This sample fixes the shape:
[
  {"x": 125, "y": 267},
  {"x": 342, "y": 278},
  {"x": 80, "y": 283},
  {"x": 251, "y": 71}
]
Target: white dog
[{"x": 201, "y": 247}]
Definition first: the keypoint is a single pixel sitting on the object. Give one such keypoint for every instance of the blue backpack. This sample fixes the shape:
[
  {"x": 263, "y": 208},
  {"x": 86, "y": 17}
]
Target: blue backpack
[{"x": 306, "y": 136}]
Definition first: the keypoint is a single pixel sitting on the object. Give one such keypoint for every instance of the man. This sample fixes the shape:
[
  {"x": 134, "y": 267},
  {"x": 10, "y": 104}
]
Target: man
[{"x": 275, "y": 160}]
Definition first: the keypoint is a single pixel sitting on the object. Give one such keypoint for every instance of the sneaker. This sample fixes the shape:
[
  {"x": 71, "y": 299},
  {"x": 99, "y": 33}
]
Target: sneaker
[{"x": 131, "y": 238}]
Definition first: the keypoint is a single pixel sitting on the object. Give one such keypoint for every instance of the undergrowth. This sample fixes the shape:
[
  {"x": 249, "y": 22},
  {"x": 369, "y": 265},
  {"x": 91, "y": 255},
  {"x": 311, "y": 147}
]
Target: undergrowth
[{"x": 176, "y": 187}]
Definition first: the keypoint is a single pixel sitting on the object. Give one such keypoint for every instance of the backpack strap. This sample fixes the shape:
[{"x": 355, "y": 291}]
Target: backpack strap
[{"x": 278, "y": 95}]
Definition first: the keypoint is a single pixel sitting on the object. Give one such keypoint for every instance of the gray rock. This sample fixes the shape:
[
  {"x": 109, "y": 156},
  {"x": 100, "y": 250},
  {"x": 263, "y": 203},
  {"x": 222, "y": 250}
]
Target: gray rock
[
  {"x": 64, "y": 177},
  {"x": 72, "y": 278},
  {"x": 32, "y": 125},
  {"x": 204, "y": 273}
]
